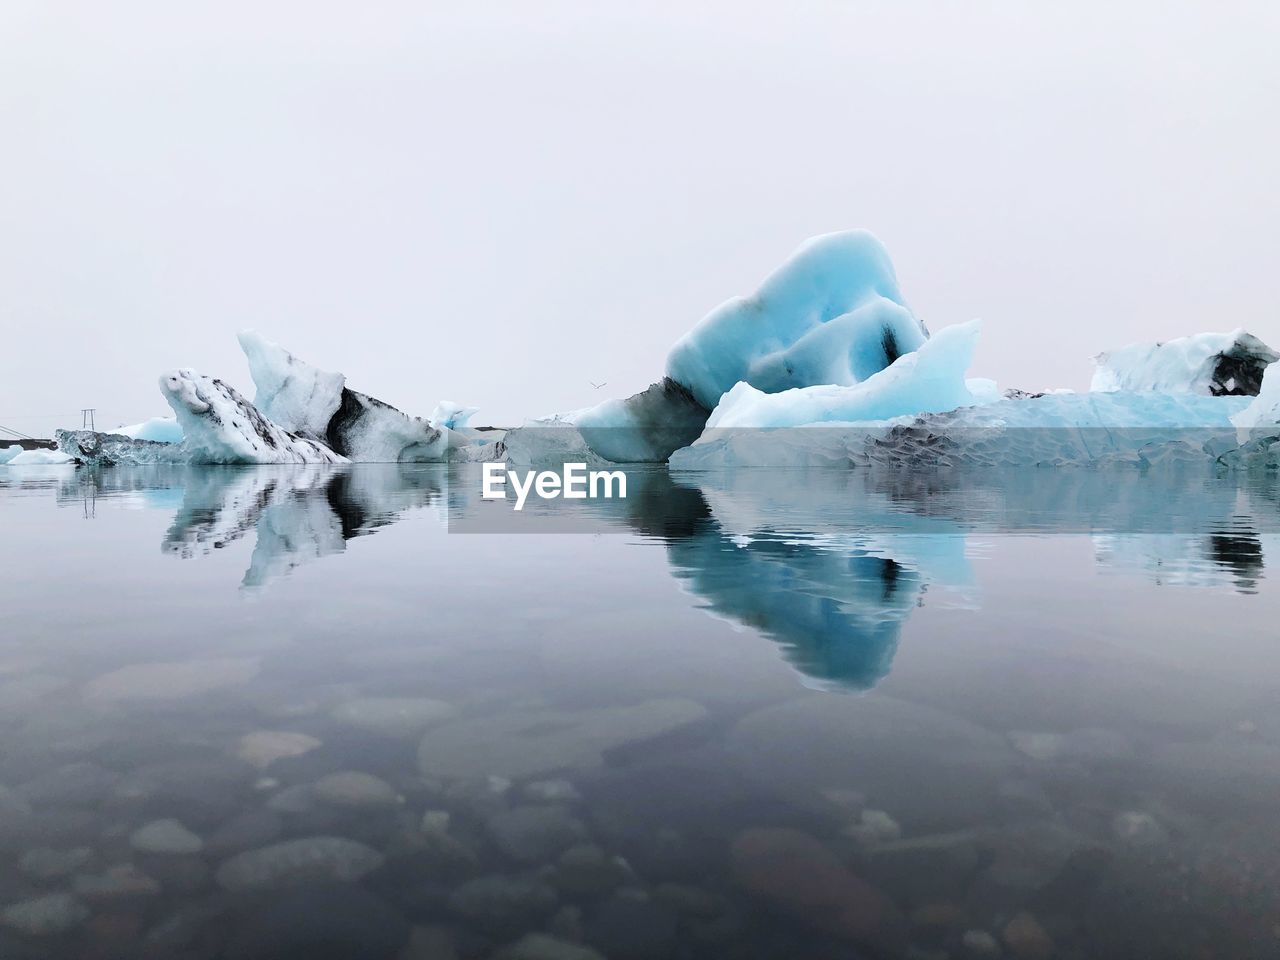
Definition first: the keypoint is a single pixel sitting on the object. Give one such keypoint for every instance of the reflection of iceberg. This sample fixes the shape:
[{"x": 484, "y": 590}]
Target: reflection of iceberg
[
  {"x": 1225, "y": 558},
  {"x": 833, "y": 598},
  {"x": 298, "y": 513},
  {"x": 836, "y": 613}
]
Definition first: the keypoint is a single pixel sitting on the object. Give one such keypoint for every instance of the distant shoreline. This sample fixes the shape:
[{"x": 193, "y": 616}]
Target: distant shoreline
[{"x": 30, "y": 443}]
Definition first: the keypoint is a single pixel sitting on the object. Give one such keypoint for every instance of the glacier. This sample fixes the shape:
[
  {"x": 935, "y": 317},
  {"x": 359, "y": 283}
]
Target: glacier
[{"x": 1216, "y": 364}]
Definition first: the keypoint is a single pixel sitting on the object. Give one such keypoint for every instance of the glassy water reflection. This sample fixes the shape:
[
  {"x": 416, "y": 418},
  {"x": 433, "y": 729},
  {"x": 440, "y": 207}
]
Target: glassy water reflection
[{"x": 767, "y": 714}]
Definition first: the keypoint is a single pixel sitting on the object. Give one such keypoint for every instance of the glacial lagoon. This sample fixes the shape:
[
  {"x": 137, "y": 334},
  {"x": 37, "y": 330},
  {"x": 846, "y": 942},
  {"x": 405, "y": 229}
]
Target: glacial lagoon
[{"x": 358, "y": 712}]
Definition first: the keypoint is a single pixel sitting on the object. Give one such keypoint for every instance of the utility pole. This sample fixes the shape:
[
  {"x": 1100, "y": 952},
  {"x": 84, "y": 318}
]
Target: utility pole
[{"x": 86, "y": 419}]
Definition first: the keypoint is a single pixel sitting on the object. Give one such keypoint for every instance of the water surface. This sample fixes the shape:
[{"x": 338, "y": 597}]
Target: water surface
[{"x": 303, "y": 712}]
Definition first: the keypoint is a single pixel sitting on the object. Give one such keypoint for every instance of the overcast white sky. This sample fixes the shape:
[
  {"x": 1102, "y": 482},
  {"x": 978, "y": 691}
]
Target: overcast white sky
[{"x": 493, "y": 203}]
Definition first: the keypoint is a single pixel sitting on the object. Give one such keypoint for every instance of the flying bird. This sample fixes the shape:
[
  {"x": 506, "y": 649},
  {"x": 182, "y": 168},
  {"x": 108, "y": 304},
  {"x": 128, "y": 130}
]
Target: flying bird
[{"x": 597, "y": 385}]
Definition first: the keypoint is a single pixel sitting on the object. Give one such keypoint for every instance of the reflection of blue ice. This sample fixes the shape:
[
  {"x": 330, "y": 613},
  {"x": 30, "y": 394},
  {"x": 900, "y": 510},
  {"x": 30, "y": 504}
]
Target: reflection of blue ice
[
  {"x": 832, "y": 587},
  {"x": 836, "y": 614},
  {"x": 827, "y": 563}
]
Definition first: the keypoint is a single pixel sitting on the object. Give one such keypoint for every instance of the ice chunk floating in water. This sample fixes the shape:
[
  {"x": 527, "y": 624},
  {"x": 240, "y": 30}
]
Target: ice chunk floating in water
[
  {"x": 452, "y": 415},
  {"x": 1217, "y": 364},
  {"x": 221, "y": 426},
  {"x": 1051, "y": 430},
  {"x": 832, "y": 314},
  {"x": 110, "y": 449},
  {"x": 317, "y": 404},
  {"x": 37, "y": 458}
]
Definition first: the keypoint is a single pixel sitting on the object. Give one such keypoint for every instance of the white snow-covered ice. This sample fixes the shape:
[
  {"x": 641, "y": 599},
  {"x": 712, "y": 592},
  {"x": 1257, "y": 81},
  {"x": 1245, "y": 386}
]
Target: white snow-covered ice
[
  {"x": 1215, "y": 364},
  {"x": 39, "y": 458},
  {"x": 318, "y": 405},
  {"x": 221, "y": 426},
  {"x": 299, "y": 397},
  {"x": 9, "y": 452},
  {"x": 453, "y": 416},
  {"x": 1264, "y": 410}
]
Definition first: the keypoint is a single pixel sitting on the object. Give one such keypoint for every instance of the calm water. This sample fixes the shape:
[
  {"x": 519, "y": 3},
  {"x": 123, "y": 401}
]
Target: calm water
[{"x": 278, "y": 713}]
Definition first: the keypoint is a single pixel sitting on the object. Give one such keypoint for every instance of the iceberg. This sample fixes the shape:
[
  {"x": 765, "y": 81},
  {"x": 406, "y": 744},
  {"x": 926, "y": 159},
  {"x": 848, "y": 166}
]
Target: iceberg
[
  {"x": 453, "y": 416},
  {"x": 921, "y": 409},
  {"x": 1215, "y": 364},
  {"x": 110, "y": 449},
  {"x": 9, "y": 452},
  {"x": 1263, "y": 413},
  {"x": 317, "y": 405},
  {"x": 156, "y": 429},
  {"x": 221, "y": 426},
  {"x": 832, "y": 314},
  {"x": 39, "y": 458},
  {"x": 1049, "y": 430}
]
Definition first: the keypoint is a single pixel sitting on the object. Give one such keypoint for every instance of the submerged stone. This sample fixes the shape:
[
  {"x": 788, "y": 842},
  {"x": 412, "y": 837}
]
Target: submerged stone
[
  {"x": 292, "y": 862},
  {"x": 45, "y": 916},
  {"x": 264, "y": 747},
  {"x": 794, "y": 871},
  {"x": 165, "y": 837},
  {"x": 393, "y": 716},
  {"x": 353, "y": 788}
]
